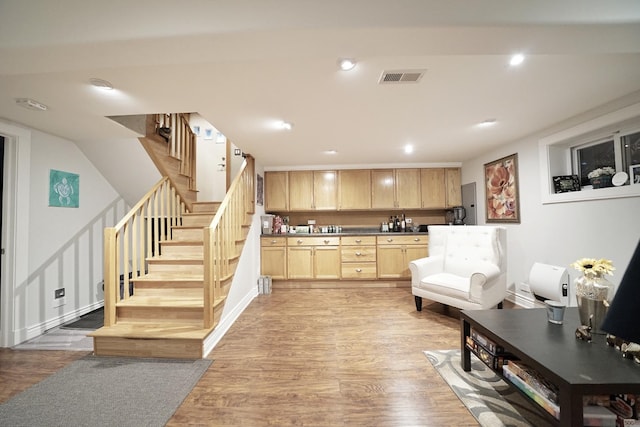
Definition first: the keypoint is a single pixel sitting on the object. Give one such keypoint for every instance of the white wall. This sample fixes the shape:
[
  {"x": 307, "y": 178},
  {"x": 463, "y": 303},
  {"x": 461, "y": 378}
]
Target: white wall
[
  {"x": 210, "y": 180},
  {"x": 560, "y": 233},
  {"x": 63, "y": 246}
]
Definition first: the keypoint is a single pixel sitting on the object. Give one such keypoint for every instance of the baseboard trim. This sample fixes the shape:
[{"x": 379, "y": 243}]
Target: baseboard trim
[
  {"x": 225, "y": 323},
  {"x": 339, "y": 284},
  {"x": 523, "y": 301}
]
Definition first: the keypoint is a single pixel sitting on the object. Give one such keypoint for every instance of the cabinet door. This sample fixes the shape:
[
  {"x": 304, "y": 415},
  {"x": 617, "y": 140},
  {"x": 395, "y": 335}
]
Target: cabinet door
[
  {"x": 390, "y": 261},
  {"x": 273, "y": 262},
  {"x": 354, "y": 189},
  {"x": 432, "y": 184},
  {"x": 454, "y": 187},
  {"x": 325, "y": 190},
  {"x": 383, "y": 189},
  {"x": 327, "y": 262},
  {"x": 300, "y": 190},
  {"x": 413, "y": 252},
  {"x": 408, "y": 188},
  {"x": 300, "y": 262},
  {"x": 276, "y": 191}
]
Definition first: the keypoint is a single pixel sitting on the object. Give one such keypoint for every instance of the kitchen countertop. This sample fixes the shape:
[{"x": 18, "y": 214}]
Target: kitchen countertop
[{"x": 349, "y": 233}]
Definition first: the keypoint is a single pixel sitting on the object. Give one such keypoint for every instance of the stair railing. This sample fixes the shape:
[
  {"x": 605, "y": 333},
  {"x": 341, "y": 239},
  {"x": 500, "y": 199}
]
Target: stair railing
[
  {"x": 221, "y": 237},
  {"x": 135, "y": 238},
  {"x": 181, "y": 142}
]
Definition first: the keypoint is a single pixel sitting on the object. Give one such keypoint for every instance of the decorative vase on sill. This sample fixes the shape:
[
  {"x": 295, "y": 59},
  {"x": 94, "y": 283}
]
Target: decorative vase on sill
[{"x": 593, "y": 291}]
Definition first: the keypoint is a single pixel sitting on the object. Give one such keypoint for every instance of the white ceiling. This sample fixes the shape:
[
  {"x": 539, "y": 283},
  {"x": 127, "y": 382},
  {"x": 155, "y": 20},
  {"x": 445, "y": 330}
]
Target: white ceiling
[{"x": 244, "y": 64}]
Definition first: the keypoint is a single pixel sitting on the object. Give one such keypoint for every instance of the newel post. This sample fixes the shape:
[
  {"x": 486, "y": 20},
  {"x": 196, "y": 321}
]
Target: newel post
[{"x": 110, "y": 276}]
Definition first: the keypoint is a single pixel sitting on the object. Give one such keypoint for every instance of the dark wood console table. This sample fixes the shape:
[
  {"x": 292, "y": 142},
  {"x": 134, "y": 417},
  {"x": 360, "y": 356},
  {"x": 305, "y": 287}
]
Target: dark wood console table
[{"x": 577, "y": 367}]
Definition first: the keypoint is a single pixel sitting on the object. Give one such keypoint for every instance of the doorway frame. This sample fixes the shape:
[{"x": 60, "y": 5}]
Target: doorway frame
[{"x": 15, "y": 225}]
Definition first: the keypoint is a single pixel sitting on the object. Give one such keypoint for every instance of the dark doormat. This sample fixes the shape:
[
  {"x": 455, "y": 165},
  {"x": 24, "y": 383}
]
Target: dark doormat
[{"x": 92, "y": 321}]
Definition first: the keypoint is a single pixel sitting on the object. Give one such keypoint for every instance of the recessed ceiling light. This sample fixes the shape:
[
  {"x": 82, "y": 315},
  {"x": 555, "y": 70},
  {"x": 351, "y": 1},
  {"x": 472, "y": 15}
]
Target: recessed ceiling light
[
  {"x": 487, "y": 123},
  {"x": 331, "y": 152},
  {"x": 30, "y": 104},
  {"x": 516, "y": 59},
  {"x": 285, "y": 125},
  {"x": 101, "y": 83},
  {"x": 408, "y": 149},
  {"x": 346, "y": 64}
]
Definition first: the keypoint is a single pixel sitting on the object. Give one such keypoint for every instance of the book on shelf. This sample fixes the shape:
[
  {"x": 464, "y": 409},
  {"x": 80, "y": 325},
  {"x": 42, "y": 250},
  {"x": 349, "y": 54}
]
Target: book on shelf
[
  {"x": 486, "y": 343},
  {"x": 534, "y": 379},
  {"x": 551, "y": 407},
  {"x": 495, "y": 362}
]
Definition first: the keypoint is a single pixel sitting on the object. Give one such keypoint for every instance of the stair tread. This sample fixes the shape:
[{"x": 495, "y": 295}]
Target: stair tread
[
  {"x": 163, "y": 301},
  {"x": 152, "y": 331},
  {"x": 174, "y": 276},
  {"x": 182, "y": 242},
  {"x": 176, "y": 257}
]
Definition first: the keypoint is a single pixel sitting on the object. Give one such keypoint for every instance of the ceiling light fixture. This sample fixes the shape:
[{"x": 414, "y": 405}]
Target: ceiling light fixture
[
  {"x": 346, "y": 64},
  {"x": 285, "y": 125},
  {"x": 487, "y": 123},
  {"x": 101, "y": 84},
  {"x": 30, "y": 104},
  {"x": 408, "y": 149},
  {"x": 331, "y": 152},
  {"x": 516, "y": 59}
]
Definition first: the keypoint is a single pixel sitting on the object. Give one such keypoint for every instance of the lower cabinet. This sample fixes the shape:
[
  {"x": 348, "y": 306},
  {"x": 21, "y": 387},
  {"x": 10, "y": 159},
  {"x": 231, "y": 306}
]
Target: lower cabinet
[
  {"x": 358, "y": 257},
  {"x": 273, "y": 257},
  {"x": 313, "y": 257},
  {"x": 396, "y": 251}
]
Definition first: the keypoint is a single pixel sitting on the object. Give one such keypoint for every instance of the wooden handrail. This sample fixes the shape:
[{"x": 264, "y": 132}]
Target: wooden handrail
[
  {"x": 181, "y": 144},
  {"x": 221, "y": 237},
  {"x": 134, "y": 239}
]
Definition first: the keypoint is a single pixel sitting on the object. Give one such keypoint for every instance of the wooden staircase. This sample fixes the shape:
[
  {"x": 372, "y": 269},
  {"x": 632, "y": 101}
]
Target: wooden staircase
[{"x": 176, "y": 292}]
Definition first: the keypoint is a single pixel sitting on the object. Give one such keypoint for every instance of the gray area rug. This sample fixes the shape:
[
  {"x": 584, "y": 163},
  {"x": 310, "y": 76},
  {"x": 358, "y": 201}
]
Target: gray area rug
[
  {"x": 106, "y": 391},
  {"x": 492, "y": 401}
]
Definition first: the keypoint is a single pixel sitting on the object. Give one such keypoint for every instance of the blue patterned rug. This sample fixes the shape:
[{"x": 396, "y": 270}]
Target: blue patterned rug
[{"x": 492, "y": 401}]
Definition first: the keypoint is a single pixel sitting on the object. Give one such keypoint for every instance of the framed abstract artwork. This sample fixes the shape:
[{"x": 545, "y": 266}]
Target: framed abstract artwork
[{"x": 502, "y": 199}]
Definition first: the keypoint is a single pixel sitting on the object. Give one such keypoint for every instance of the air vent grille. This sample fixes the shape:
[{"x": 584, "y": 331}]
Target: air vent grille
[{"x": 401, "y": 76}]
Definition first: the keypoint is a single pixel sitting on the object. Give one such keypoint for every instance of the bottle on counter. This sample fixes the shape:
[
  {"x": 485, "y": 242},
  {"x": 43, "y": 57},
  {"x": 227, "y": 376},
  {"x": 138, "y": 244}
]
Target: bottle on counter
[
  {"x": 403, "y": 223},
  {"x": 391, "y": 223}
]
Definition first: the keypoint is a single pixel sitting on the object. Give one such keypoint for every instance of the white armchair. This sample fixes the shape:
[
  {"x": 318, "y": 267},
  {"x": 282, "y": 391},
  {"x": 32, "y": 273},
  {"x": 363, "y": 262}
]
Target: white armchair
[{"x": 466, "y": 267}]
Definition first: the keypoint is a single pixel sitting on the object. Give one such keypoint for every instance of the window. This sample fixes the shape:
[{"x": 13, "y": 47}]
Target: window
[
  {"x": 611, "y": 140},
  {"x": 619, "y": 152}
]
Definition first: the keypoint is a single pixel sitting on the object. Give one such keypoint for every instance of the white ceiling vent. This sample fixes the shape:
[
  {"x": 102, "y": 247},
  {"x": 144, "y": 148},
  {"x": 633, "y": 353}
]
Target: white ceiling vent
[{"x": 401, "y": 76}]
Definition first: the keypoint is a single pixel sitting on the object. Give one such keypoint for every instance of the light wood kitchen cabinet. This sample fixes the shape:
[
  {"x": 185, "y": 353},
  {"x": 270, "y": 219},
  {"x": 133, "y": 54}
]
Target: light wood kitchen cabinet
[
  {"x": 273, "y": 257},
  {"x": 395, "y": 188},
  {"x": 440, "y": 188},
  {"x": 354, "y": 189},
  {"x": 325, "y": 190},
  {"x": 453, "y": 185},
  {"x": 276, "y": 191},
  {"x": 396, "y": 251},
  {"x": 313, "y": 257},
  {"x": 432, "y": 184},
  {"x": 358, "y": 254},
  {"x": 300, "y": 190}
]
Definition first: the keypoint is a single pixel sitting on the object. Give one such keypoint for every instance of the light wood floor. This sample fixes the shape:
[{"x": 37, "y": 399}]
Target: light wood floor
[{"x": 321, "y": 357}]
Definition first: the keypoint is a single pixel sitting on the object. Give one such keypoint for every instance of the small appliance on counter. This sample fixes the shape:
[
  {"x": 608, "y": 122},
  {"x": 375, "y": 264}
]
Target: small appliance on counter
[
  {"x": 267, "y": 223},
  {"x": 456, "y": 215}
]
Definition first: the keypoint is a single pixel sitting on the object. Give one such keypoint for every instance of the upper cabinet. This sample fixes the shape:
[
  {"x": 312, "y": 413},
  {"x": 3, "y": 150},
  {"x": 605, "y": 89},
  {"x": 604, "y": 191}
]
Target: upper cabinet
[
  {"x": 440, "y": 188},
  {"x": 362, "y": 189},
  {"x": 276, "y": 191},
  {"x": 395, "y": 188},
  {"x": 354, "y": 189},
  {"x": 453, "y": 185},
  {"x": 313, "y": 190}
]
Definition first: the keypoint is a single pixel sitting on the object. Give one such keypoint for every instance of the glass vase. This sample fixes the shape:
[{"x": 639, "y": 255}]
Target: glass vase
[{"x": 593, "y": 294}]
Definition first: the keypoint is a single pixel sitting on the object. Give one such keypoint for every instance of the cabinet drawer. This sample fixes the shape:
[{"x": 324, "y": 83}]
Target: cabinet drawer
[
  {"x": 394, "y": 239},
  {"x": 273, "y": 241},
  {"x": 364, "y": 270},
  {"x": 358, "y": 253},
  {"x": 357, "y": 240},
  {"x": 313, "y": 241}
]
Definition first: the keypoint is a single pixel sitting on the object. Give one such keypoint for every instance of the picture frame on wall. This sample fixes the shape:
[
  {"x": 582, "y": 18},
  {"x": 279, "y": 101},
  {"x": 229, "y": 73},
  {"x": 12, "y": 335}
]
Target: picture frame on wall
[
  {"x": 259, "y": 190},
  {"x": 64, "y": 189},
  {"x": 634, "y": 174},
  {"x": 502, "y": 198}
]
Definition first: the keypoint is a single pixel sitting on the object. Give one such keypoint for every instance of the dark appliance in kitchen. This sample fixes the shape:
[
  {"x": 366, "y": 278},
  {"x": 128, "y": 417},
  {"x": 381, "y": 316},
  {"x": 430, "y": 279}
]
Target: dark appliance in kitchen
[{"x": 456, "y": 215}]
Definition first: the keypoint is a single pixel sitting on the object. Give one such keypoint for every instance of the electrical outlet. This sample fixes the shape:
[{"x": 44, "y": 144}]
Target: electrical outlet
[{"x": 59, "y": 293}]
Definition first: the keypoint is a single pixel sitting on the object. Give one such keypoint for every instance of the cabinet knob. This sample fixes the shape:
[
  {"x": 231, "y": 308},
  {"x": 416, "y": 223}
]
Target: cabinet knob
[
  {"x": 358, "y": 270},
  {"x": 358, "y": 240},
  {"x": 358, "y": 253},
  {"x": 417, "y": 239},
  {"x": 389, "y": 239},
  {"x": 299, "y": 241},
  {"x": 326, "y": 241},
  {"x": 274, "y": 242}
]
